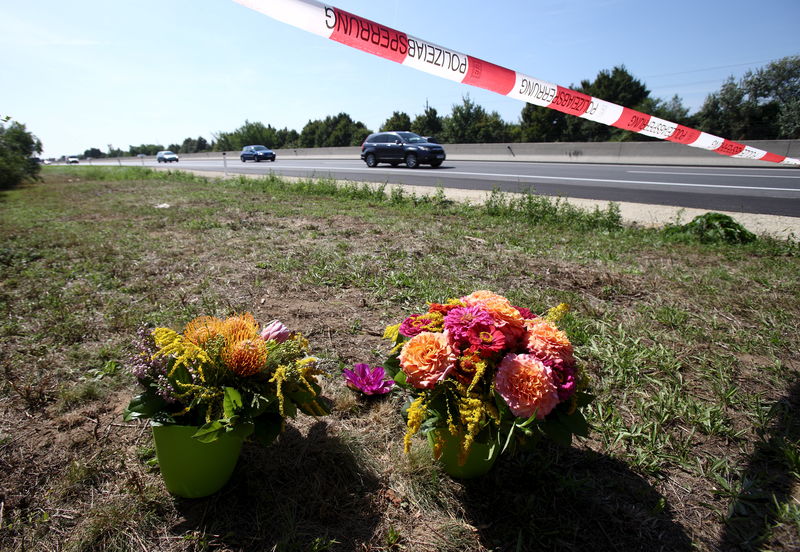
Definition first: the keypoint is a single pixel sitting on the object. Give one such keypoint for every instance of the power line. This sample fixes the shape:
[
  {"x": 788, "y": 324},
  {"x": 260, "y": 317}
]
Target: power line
[{"x": 710, "y": 68}]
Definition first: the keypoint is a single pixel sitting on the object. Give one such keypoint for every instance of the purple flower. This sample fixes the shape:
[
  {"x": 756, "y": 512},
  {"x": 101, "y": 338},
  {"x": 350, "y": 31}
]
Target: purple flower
[
  {"x": 461, "y": 320},
  {"x": 275, "y": 330},
  {"x": 370, "y": 381}
]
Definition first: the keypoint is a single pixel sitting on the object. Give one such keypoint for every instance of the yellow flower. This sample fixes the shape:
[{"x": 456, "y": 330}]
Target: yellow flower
[
  {"x": 392, "y": 332},
  {"x": 278, "y": 378},
  {"x": 556, "y": 313},
  {"x": 186, "y": 353},
  {"x": 416, "y": 415}
]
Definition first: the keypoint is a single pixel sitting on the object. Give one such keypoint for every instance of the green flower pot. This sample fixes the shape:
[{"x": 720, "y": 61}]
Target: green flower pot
[
  {"x": 192, "y": 469},
  {"x": 479, "y": 460}
]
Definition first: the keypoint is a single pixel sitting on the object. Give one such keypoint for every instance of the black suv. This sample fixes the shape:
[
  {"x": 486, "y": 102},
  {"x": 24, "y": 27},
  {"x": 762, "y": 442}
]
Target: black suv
[{"x": 401, "y": 147}]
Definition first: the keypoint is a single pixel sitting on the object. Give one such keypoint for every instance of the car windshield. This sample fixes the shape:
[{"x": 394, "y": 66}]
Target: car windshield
[
  {"x": 259, "y": 148},
  {"x": 168, "y": 153},
  {"x": 411, "y": 138}
]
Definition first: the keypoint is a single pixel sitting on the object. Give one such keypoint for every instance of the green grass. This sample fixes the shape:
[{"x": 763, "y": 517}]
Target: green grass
[{"x": 691, "y": 347}]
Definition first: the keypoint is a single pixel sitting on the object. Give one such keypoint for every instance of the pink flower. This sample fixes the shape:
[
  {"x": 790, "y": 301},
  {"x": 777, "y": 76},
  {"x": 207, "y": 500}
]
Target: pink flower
[
  {"x": 418, "y": 323},
  {"x": 486, "y": 339},
  {"x": 527, "y": 386},
  {"x": 275, "y": 330},
  {"x": 370, "y": 381},
  {"x": 525, "y": 313},
  {"x": 546, "y": 341},
  {"x": 461, "y": 320}
]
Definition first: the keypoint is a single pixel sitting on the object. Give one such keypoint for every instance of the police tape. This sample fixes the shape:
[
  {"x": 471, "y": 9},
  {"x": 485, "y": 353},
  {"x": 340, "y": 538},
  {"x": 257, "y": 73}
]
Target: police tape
[{"x": 374, "y": 38}]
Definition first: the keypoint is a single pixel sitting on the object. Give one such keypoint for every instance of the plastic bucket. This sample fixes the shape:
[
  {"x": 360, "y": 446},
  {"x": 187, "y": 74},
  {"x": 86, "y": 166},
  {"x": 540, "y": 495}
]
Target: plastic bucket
[
  {"x": 479, "y": 460},
  {"x": 192, "y": 469}
]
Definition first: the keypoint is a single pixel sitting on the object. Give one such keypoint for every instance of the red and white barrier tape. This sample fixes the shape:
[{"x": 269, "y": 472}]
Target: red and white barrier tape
[{"x": 374, "y": 38}]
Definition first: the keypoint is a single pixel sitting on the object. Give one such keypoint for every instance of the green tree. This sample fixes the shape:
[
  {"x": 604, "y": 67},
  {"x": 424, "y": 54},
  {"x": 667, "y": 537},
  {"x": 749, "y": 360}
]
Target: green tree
[
  {"x": 398, "y": 121},
  {"x": 461, "y": 126},
  {"x": 775, "y": 91},
  {"x": 17, "y": 155},
  {"x": 542, "y": 124},
  {"x": 189, "y": 145},
  {"x": 763, "y": 104},
  {"x": 147, "y": 149},
  {"x": 616, "y": 86},
  {"x": 288, "y": 138},
  {"x": 94, "y": 153},
  {"x": 246, "y": 135},
  {"x": 336, "y": 131},
  {"x": 428, "y": 123}
]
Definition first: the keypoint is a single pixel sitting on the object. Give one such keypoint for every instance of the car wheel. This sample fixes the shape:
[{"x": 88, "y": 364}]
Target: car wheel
[
  {"x": 273, "y": 159},
  {"x": 436, "y": 164},
  {"x": 411, "y": 161},
  {"x": 371, "y": 160},
  {"x": 257, "y": 159}
]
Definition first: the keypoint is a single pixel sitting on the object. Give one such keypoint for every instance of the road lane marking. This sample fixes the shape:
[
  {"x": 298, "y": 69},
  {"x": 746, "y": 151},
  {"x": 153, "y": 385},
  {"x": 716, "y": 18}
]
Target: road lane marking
[
  {"x": 447, "y": 173},
  {"x": 797, "y": 177}
]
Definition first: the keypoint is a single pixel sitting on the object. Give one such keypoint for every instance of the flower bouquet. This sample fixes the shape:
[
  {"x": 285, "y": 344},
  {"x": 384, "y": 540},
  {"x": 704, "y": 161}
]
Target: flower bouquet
[
  {"x": 221, "y": 380},
  {"x": 485, "y": 376}
]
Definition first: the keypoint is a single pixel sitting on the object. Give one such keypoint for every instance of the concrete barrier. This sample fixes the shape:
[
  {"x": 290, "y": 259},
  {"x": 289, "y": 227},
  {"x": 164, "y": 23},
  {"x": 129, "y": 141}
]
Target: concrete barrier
[{"x": 634, "y": 153}]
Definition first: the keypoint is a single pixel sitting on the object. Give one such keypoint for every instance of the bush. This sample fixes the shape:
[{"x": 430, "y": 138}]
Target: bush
[
  {"x": 17, "y": 161},
  {"x": 712, "y": 228}
]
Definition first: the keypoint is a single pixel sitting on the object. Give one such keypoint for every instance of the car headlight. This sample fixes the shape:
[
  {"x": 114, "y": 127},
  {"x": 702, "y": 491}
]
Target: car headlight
[{"x": 423, "y": 148}]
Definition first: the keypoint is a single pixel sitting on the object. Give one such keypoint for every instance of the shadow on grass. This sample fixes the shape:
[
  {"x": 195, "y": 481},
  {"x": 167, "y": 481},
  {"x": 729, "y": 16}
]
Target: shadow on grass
[
  {"x": 569, "y": 499},
  {"x": 301, "y": 493},
  {"x": 766, "y": 481}
]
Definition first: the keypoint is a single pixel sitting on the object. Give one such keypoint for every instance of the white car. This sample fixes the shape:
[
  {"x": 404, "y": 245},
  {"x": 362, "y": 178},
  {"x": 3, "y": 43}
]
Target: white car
[
  {"x": 72, "y": 160},
  {"x": 166, "y": 157}
]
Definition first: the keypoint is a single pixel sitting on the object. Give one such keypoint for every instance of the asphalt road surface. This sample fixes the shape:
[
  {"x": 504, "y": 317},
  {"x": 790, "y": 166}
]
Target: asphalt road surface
[{"x": 768, "y": 190}]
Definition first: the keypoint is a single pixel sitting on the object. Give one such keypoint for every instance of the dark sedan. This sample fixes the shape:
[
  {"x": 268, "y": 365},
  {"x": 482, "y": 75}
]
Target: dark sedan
[{"x": 256, "y": 153}]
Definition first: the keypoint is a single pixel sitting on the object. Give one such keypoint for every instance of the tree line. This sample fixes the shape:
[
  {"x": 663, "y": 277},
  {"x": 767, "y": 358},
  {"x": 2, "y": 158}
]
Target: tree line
[{"x": 763, "y": 104}]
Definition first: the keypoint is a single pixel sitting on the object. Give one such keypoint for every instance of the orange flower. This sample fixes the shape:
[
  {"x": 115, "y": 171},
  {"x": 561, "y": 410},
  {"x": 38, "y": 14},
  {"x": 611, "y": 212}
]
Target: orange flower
[
  {"x": 240, "y": 324},
  {"x": 547, "y": 342},
  {"x": 526, "y": 385},
  {"x": 246, "y": 356},
  {"x": 202, "y": 329},
  {"x": 498, "y": 306},
  {"x": 426, "y": 359}
]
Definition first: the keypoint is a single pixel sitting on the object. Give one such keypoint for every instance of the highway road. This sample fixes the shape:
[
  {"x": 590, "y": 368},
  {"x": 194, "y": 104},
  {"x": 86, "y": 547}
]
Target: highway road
[{"x": 768, "y": 190}]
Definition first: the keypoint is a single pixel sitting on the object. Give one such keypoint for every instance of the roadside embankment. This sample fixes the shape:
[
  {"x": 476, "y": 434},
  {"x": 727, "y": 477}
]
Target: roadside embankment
[{"x": 646, "y": 215}]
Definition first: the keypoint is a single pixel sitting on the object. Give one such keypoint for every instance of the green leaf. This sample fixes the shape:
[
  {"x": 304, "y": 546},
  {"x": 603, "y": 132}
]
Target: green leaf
[
  {"x": 392, "y": 365},
  {"x": 242, "y": 430},
  {"x": 557, "y": 432},
  {"x": 231, "y": 402},
  {"x": 583, "y": 398},
  {"x": 576, "y": 423},
  {"x": 508, "y": 438},
  {"x": 144, "y": 405},
  {"x": 267, "y": 428},
  {"x": 210, "y": 432},
  {"x": 400, "y": 378},
  {"x": 289, "y": 408},
  {"x": 301, "y": 396}
]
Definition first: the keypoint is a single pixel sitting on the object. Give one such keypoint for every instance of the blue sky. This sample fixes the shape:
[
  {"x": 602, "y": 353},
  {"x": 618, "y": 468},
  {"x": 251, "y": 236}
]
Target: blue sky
[{"x": 86, "y": 73}]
